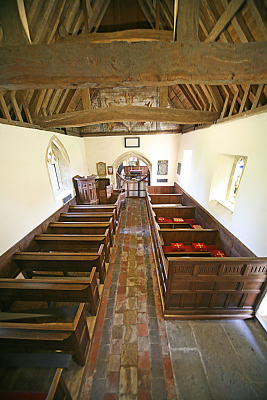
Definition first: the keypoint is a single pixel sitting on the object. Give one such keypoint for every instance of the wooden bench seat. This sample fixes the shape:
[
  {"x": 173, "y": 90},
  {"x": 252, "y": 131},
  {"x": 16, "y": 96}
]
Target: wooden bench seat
[
  {"x": 70, "y": 337},
  {"x": 93, "y": 217},
  {"x": 168, "y": 189},
  {"x": 57, "y": 388},
  {"x": 81, "y": 228},
  {"x": 75, "y": 290},
  {"x": 173, "y": 211},
  {"x": 29, "y": 262},
  {"x": 165, "y": 198},
  {"x": 95, "y": 208},
  {"x": 73, "y": 243},
  {"x": 189, "y": 236}
]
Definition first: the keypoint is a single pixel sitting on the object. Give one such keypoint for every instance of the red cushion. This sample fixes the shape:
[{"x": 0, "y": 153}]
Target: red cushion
[
  {"x": 169, "y": 221},
  {"x": 161, "y": 219},
  {"x": 178, "y": 220},
  {"x": 199, "y": 247},
  {"x": 218, "y": 253},
  {"x": 191, "y": 221},
  {"x": 177, "y": 246}
]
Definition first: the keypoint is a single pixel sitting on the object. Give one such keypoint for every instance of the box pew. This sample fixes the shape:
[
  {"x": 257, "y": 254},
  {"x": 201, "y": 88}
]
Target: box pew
[
  {"x": 100, "y": 208},
  {"x": 173, "y": 211},
  {"x": 73, "y": 243},
  {"x": 70, "y": 337},
  {"x": 52, "y": 290},
  {"x": 188, "y": 236},
  {"x": 205, "y": 287},
  {"x": 29, "y": 262},
  {"x": 165, "y": 198},
  {"x": 57, "y": 388},
  {"x": 161, "y": 189},
  {"x": 93, "y": 217},
  {"x": 81, "y": 228}
]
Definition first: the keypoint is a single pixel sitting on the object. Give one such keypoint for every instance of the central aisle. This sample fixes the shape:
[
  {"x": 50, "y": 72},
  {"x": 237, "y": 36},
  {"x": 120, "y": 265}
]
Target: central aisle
[{"x": 130, "y": 357}]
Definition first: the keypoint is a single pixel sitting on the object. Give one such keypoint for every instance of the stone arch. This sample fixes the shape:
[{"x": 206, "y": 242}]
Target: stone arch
[{"x": 132, "y": 153}]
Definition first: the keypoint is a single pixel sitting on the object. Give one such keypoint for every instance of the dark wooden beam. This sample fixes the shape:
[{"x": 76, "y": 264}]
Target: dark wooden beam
[
  {"x": 187, "y": 20},
  {"x": 128, "y": 65},
  {"x": 126, "y": 113}
]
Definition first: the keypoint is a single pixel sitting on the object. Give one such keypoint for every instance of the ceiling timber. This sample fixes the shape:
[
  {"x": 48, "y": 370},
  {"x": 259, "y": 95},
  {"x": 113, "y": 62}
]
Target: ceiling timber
[{"x": 61, "y": 57}]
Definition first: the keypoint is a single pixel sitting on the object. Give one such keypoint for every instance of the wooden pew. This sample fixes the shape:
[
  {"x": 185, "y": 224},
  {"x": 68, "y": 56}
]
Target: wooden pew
[
  {"x": 73, "y": 243},
  {"x": 173, "y": 211},
  {"x": 166, "y": 198},
  {"x": 93, "y": 217},
  {"x": 29, "y": 262},
  {"x": 52, "y": 290},
  {"x": 57, "y": 389},
  {"x": 66, "y": 336},
  {"x": 100, "y": 208},
  {"x": 161, "y": 189},
  {"x": 188, "y": 236},
  {"x": 204, "y": 287},
  {"x": 81, "y": 228}
]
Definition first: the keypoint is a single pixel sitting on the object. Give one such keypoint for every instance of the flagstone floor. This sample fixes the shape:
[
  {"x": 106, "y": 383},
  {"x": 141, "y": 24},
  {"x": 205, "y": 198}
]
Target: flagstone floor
[{"x": 135, "y": 354}]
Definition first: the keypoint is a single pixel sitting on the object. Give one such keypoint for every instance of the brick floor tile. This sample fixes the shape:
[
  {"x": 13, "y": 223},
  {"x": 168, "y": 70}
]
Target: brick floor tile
[
  {"x": 144, "y": 395},
  {"x": 118, "y": 319},
  {"x": 114, "y": 362},
  {"x": 143, "y": 359},
  {"x": 117, "y": 332},
  {"x": 115, "y": 347},
  {"x": 121, "y": 289},
  {"x": 142, "y": 330},
  {"x": 112, "y": 382},
  {"x": 144, "y": 379}
]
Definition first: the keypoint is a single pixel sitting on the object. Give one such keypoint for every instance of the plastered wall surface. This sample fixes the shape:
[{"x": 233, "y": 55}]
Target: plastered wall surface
[
  {"x": 153, "y": 147},
  {"x": 26, "y": 197},
  {"x": 246, "y": 137}
]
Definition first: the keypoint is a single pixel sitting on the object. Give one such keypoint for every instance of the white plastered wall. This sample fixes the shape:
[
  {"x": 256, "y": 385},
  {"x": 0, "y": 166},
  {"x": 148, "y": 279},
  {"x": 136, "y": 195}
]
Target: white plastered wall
[
  {"x": 26, "y": 197},
  {"x": 246, "y": 137},
  {"x": 152, "y": 147}
]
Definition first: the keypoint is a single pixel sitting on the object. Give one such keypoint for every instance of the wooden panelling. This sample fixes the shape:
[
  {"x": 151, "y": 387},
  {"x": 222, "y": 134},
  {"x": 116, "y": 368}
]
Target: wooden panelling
[{"x": 197, "y": 285}]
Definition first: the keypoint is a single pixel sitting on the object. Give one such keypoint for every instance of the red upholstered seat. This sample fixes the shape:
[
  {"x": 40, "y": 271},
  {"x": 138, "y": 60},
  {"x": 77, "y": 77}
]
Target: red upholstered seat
[
  {"x": 169, "y": 221},
  {"x": 196, "y": 226},
  {"x": 161, "y": 219},
  {"x": 178, "y": 220},
  {"x": 218, "y": 253},
  {"x": 199, "y": 247},
  {"x": 177, "y": 246}
]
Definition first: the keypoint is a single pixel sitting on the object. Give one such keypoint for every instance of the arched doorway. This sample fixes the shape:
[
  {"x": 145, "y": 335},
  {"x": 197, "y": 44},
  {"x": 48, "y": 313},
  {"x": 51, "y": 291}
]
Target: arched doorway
[{"x": 133, "y": 171}]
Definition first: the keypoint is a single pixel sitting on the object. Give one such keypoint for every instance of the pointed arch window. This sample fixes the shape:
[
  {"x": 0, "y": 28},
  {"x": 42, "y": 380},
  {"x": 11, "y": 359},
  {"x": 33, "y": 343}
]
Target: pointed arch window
[{"x": 59, "y": 169}]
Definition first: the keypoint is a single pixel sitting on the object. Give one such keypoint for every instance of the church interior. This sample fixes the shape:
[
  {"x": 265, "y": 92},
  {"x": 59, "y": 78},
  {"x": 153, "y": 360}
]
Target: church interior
[{"x": 133, "y": 258}]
